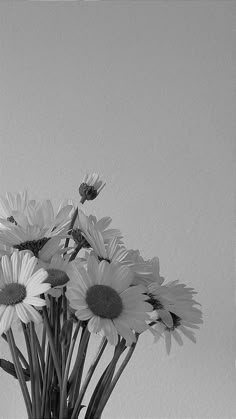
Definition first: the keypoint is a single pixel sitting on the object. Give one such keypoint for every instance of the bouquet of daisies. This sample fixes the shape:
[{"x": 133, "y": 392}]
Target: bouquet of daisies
[{"x": 65, "y": 276}]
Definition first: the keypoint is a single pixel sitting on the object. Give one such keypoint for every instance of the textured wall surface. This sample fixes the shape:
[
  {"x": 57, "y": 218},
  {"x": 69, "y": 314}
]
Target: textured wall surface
[{"x": 144, "y": 93}]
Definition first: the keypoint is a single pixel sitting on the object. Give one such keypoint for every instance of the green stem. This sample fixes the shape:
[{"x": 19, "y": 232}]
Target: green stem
[
  {"x": 104, "y": 382},
  {"x": 40, "y": 353},
  {"x": 45, "y": 385},
  {"x": 75, "y": 252},
  {"x": 52, "y": 345},
  {"x": 79, "y": 365},
  {"x": 36, "y": 372},
  {"x": 19, "y": 372},
  {"x": 71, "y": 226},
  {"x": 107, "y": 394},
  {"x": 29, "y": 352},
  {"x": 89, "y": 376},
  {"x": 19, "y": 353},
  {"x": 66, "y": 371}
]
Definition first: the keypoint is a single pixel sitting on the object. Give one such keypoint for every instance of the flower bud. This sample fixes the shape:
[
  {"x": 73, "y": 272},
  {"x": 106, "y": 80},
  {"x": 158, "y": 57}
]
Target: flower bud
[{"x": 90, "y": 187}]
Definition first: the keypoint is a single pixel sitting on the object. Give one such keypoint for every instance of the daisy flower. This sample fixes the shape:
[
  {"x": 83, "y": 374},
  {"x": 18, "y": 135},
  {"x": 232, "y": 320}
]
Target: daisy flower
[
  {"x": 43, "y": 216},
  {"x": 32, "y": 238},
  {"x": 103, "y": 295},
  {"x": 20, "y": 287},
  {"x": 11, "y": 203},
  {"x": 176, "y": 313},
  {"x": 40, "y": 231},
  {"x": 90, "y": 187}
]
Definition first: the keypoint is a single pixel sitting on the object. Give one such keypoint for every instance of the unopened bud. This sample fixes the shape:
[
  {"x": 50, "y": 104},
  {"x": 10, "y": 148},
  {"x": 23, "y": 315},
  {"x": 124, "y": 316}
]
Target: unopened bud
[{"x": 90, "y": 187}]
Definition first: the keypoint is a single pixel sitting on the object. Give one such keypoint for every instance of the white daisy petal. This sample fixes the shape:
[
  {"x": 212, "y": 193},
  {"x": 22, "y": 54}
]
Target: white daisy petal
[
  {"x": 35, "y": 301},
  {"x": 84, "y": 314},
  {"x": 33, "y": 289},
  {"x": 124, "y": 331},
  {"x": 177, "y": 337},
  {"x": 33, "y": 314},
  {"x": 38, "y": 277},
  {"x": 7, "y": 269},
  {"x": 166, "y": 318},
  {"x": 109, "y": 331},
  {"x": 188, "y": 333},
  {"x": 7, "y": 318},
  {"x": 122, "y": 278},
  {"x": 2, "y": 309},
  {"x": 94, "y": 324},
  {"x": 27, "y": 268},
  {"x": 22, "y": 313},
  {"x": 168, "y": 342}
]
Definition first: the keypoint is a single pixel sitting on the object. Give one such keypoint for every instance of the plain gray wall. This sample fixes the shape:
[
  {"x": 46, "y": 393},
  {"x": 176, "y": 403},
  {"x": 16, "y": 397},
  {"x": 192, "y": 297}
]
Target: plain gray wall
[{"x": 142, "y": 92}]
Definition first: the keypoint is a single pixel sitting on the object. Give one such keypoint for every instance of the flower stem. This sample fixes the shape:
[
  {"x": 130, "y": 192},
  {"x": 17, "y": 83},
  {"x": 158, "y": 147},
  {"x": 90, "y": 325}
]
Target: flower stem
[
  {"x": 66, "y": 371},
  {"x": 104, "y": 382},
  {"x": 19, "y": 372},
  {"x": 52, "y": 345},
  {"x": 89, "y": 376},
  {"x": 71, "y": 226},
  {"x": 29, "y": 352},
  {"x": 75, "y": 252},
  {"x": 107, "y": 394},
  {"x": 19, "y": 353},
  {"x": 79, "y": 365},
  {"x": 36, "y": 371}
]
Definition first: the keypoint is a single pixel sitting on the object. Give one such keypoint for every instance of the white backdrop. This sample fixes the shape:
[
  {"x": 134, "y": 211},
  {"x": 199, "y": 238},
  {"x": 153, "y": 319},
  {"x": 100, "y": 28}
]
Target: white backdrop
[{"x": 143, "y": 93}]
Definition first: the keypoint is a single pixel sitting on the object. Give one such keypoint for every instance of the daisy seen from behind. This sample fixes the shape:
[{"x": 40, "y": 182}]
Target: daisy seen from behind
[
  {"x": 57, "y": 273},
  {"x": 102, "y": 295},
  {"x": 176, "y": 313},
  {"x": 20, "y": 287}
]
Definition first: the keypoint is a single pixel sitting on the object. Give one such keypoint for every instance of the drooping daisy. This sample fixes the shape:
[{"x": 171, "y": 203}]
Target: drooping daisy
[
  {"x": 176, "y": 311},
  {"x": 103, "y": 296},
  {"x": 20, "y": 287},
  {"x": 90, "y": 187}
]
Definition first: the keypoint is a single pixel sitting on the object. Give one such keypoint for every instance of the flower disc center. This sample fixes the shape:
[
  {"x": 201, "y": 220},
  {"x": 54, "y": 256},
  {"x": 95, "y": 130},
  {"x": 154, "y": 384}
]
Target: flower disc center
[
  {"x": 34, "y": 245},
  {"x": 56, "y": 277},
  {"x": 12, "y": 294},
  {"x": 104, "y": 301}
]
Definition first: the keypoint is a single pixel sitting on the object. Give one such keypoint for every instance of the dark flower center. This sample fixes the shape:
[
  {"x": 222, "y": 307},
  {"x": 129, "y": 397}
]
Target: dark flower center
[
  {"x": 12, "y": 294},
  {"x": 34, "y": 245},
  {"x": 56, "y": 277},
  {"x": 80, "y": 239},
  {"x": 106, "y": 259},
  {"x": 12, "y": 220},
  {"x": 157, "y": 305},
  {"x": 87, "y": 192},
  {"x": 104, "y": 301}
]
